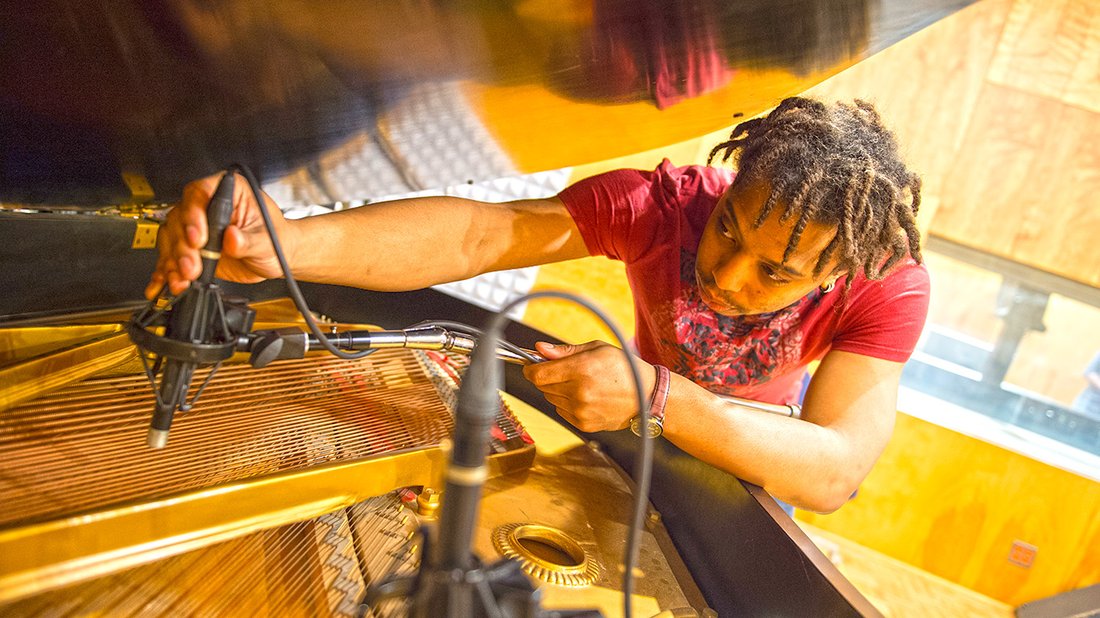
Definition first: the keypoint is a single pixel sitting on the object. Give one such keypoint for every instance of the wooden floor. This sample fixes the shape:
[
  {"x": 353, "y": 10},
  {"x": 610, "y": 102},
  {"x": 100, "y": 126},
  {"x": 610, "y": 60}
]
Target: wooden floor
[{"x": 900, "y": 590}]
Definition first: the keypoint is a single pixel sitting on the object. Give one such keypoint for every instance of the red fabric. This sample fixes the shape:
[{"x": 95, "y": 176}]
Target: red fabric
[
  {"x": 665, "y": 50},
  {"x": 652, "y": 221}
]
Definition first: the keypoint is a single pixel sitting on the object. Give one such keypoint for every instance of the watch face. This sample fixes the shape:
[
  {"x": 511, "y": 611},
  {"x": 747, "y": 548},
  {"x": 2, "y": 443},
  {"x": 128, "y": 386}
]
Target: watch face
[{"x": 655, "y": 427}]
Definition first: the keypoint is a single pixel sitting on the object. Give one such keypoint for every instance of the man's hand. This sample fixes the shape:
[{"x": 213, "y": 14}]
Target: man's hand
[
  {"x": 247, "y": 254},
  {"x": 590, "y": 384}
]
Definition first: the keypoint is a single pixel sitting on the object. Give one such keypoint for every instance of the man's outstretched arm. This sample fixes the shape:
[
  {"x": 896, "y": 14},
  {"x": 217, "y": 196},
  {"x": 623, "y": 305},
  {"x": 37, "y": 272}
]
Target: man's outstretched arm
[{"x": 400, "y": 245}]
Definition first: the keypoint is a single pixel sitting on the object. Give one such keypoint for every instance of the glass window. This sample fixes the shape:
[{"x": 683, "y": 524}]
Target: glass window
[{"x": 1013, "y": 344}]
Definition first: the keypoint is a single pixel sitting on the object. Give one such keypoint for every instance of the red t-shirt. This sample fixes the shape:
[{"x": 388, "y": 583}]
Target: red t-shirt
[{"x": 652, "y": 221}]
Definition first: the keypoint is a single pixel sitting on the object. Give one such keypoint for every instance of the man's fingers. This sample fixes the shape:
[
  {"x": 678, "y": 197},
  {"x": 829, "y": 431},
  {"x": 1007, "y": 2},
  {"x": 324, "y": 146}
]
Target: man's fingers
[
  {"x": 567, "y": 415},
  {"x": 195, "y": 235},
  {"x": 182, "y": 235},
  {"x": 190, "y": 266},
  {"x": 183, "y": 258},
  {"x": 234, "y": 242},
  {"x": 552, "y": 351},
  {"x": 192, "y": 210},
  {"x": 176, "y": 283},
  {"x": 566, "y": 391},
  {"x": 156, "y": 282},
  {"x": 550, "y": 372},
  {"x": 564, "y": 362}
]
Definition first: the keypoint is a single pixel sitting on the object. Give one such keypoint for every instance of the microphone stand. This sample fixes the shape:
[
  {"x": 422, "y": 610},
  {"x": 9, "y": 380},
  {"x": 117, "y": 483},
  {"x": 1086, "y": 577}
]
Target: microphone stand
[{"x": 452, "y": 582}]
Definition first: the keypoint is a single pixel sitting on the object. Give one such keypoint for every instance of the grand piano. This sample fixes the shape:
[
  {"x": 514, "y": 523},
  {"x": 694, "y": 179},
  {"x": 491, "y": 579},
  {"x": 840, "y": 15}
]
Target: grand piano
[{"x": 293, "y": 489}]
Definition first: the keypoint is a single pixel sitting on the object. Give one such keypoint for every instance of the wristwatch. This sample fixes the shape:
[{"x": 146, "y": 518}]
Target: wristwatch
[{"x": 656, "y": 425}]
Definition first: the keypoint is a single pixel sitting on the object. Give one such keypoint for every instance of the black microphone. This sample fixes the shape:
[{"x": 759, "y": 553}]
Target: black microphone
[
  {"x": 476, "y": 411},
  {"x": 437, "y": 592},
  {"x": 196, "y": 331}
]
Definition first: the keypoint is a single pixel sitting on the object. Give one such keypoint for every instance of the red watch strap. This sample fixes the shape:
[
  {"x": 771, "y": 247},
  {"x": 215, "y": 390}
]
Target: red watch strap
[{"x": 659, "y": 398}]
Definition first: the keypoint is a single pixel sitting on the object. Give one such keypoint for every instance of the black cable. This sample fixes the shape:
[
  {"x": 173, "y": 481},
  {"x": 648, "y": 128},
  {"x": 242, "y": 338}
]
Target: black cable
[
  {"x": 291, "y": 284},
  {"x": 643, "y": 465}
]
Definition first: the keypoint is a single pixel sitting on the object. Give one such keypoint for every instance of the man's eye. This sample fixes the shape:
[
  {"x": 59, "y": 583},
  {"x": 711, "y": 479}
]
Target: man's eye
[
  {"x": 724, "y": 228},
  {"x": 774, "y": 275}
]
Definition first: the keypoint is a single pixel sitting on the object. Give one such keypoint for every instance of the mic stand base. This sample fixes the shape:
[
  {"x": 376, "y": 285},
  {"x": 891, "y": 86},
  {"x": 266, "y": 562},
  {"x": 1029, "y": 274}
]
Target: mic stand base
[{"x": 500, "y": 589}]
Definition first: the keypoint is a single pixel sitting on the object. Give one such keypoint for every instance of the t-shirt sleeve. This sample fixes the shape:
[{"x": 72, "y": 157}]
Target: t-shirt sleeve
[
  {"x": 886, "y": 319},
  {"x": 608, "y": 209},
  {"x": 624, "y": 214}
]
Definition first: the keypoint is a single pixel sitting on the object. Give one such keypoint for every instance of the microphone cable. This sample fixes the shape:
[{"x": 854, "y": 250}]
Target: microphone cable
[
  {"x": 291, "y": 283},
  {"x": 477, "y": 333}
]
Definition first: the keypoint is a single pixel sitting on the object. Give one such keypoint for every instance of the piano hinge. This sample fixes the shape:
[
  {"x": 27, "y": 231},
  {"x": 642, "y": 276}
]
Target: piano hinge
[
  {"x": 145, "y": 234},
  {"x": 140, "y": 189},
  {"x": 141, "y": 192}
]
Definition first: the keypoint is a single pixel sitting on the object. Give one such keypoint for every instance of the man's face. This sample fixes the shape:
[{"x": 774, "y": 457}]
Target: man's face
[{"x": 739, "y": 268}]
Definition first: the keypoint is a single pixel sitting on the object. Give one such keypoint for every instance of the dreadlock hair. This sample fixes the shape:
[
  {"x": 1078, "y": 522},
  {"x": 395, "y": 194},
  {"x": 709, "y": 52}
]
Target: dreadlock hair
[{"x": 833, "y": 165}]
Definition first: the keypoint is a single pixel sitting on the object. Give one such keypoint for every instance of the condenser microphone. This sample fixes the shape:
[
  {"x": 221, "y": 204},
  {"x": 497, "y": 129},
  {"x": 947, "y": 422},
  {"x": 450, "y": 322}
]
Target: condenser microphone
[
  {"x": 437, "y": 591},
  {"x": 477, "y": 407},
  {"x": 195, "y": 328}
]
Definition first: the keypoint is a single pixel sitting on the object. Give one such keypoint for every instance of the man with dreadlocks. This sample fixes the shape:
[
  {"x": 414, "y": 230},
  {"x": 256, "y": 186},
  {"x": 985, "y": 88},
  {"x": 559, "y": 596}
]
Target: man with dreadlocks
[{"x": 733, "y": 279}]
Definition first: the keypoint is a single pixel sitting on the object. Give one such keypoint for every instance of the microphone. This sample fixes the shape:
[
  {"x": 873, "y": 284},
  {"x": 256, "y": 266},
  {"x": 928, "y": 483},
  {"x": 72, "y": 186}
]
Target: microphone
[
  {"x": 437, "y": 591},
  {"x": 477, "y": 408},
  {"x": 452, "y": 581},
  {"x": 197, "y": 326}
]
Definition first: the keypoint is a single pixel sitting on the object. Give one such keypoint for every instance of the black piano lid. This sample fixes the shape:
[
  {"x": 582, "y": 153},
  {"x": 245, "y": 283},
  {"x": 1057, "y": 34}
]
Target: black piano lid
[
  {"x": 93, "y": 94},
  {"x": 174, "y": 90}
]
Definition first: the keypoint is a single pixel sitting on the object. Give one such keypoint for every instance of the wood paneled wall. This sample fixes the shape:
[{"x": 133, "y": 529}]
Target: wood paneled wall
[
  {"x": 926, "y": 88},
  {"x": 998, "y": 106},
  {"x": 953, "y": 506}
]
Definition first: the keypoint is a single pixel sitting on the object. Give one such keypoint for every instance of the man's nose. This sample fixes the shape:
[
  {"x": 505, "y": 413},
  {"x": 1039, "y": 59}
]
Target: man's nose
[{"x": 732, "y": 273}]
